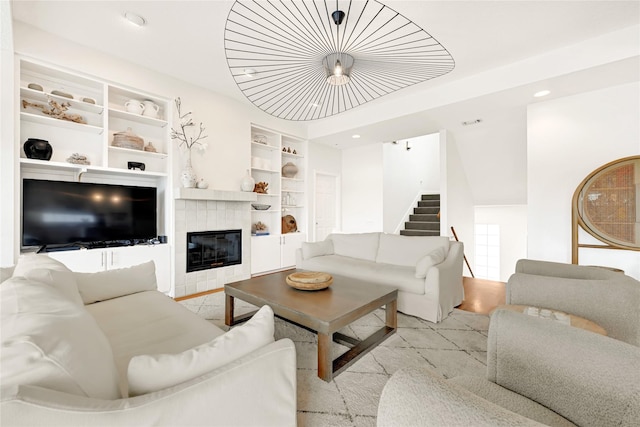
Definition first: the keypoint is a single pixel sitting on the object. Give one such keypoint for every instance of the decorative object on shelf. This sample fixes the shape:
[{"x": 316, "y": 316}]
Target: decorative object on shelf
[
  {"x": 309, "y": 280},
  {"x": 38, "y": 149},
  {"x": 55, "y": 110},
  {"x": 288, "y": 149},
  {"x": 151, "y": 109},
  {"x": 202, "y": 184},
  {"x": 150, "y": 148},
  {"x": 89, "y": 100},
  {"x": 261, "y": 187},
  {"x": 260, "y": 138},
  {"x": 289, "y": 170},
  {"x": 134, "y": 106},
  {"x": 188, "y": 175},
  {"x": 248, "y": 183},
  {"x": 136, "y": 166},
  {"x": 289, "y": 224},
  {"x": 78, "y": 159},
  {"x": 259, "y": 229},
  {"x": 35, "y": 86},
  {"x": 294, "y": 152},
  {"x": 260, "y": 207},
  {"x": 62, "y": 94},
  {"x": 350, "y": 64},
  {"x": 284, "y": 149},
  {"x": 127, "y": 139}
]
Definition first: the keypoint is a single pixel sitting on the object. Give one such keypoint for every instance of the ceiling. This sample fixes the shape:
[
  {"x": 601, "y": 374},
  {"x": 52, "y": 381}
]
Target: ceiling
[{"x": 185, "y": 39}]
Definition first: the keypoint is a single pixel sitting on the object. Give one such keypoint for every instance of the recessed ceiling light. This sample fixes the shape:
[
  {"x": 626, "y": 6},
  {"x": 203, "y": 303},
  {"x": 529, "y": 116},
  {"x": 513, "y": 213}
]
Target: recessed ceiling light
[
  {"x": 542, "y": 93},
  {"x": 135, "y": 19},
  {"x": 249, "y": 72},
  {"x": 472, "y": 122},
  {"x": 356, "y": 136}
]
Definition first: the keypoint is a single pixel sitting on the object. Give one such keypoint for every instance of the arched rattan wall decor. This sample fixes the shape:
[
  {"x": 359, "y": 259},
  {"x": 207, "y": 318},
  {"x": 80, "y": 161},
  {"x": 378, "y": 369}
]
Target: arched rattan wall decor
[
  {"x": 606, "y": 205},
  {"x": 310, "y": 59}
]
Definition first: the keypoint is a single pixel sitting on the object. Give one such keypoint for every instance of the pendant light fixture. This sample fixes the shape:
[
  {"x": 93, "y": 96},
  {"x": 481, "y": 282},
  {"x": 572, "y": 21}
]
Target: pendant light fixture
[{"x": 317, "y": 58}]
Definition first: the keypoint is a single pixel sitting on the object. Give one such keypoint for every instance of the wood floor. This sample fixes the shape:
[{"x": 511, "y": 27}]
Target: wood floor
[{"x": 482, "y": 296}]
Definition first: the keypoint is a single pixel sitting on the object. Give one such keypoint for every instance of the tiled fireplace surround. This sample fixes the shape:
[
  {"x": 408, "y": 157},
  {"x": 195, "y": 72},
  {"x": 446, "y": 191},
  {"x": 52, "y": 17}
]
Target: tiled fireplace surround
[{"x": 210, "y": 215}]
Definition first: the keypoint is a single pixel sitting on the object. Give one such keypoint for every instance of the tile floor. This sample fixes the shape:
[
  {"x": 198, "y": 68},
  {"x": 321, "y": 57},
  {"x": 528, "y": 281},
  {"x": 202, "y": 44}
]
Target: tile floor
[{"x": 456, "y": 346}]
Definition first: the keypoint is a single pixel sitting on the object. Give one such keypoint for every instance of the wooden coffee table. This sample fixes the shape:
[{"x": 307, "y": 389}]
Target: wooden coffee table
[{"x": 324, "y": 312}]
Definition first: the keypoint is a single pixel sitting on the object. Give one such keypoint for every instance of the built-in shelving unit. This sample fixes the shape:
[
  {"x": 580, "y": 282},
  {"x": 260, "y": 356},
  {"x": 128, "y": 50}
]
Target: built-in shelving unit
[
  {"x": 98, "y": 111},
  {"x": 271, "y": 249}
]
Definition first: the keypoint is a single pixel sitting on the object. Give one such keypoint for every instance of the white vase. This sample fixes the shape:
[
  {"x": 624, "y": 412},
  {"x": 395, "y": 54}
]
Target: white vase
[
  {"x": 248, "y": 183},
  {"x": 188, "y": 175}
]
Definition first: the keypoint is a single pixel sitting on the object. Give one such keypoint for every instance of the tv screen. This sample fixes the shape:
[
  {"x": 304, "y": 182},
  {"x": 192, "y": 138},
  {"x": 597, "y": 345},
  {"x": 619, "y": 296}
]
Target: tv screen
[{"x": 62, "y": 213}]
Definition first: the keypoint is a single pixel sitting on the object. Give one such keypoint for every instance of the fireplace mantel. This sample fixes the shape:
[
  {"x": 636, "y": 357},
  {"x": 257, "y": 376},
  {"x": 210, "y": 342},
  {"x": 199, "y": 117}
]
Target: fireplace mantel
[{"x": 220, "y": 195}]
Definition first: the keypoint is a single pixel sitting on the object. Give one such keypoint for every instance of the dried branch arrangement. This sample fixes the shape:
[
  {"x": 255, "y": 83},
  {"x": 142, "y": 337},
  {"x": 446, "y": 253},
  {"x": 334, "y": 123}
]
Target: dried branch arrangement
[
  {"x": 55, "y": 110},
  {"x": 186, "y": 122}
]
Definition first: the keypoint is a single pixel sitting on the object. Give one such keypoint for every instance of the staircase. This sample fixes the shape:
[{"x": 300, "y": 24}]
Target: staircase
[{"x": 424, "y": 221}]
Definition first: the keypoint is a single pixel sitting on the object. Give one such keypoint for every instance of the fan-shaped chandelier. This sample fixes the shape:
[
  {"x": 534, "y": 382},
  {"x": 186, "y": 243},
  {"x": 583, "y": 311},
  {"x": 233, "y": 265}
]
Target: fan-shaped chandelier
[{"x": 311, "y": 59}]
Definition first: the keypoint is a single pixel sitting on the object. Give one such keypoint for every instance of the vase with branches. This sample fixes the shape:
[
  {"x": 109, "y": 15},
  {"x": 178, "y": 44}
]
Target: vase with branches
[{"x": 188, "y": 137}]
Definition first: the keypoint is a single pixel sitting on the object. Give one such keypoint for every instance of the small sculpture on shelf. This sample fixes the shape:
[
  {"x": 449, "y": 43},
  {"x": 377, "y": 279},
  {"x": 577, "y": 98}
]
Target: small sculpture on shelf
[
  {"x": 150, "y": 148},
  {"x": 55, "y": 110},
  {"x": 78, "y": 159},
  {"x": 289, "y": 224},
  {"x": 259, "y": 229},
  {"x": 38, "y": 149},
  {"x": 261, "y": 187}
]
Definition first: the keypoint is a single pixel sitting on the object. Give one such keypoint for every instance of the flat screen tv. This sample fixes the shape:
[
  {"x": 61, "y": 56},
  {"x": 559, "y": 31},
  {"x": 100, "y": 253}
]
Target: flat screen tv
[{"x": 59, "y": 213}]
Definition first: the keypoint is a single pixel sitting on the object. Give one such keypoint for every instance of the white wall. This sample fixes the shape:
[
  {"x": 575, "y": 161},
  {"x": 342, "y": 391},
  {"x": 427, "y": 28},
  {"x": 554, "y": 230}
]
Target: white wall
[
  {"x": 8, "y": 232},
  {"x": 362, "y": 182},
  {"x": 512, "y": 221},
  {"x": 408, "y": 174},
  {"x": 456, "y": 201},
  {"x": 567, "y": 139}
]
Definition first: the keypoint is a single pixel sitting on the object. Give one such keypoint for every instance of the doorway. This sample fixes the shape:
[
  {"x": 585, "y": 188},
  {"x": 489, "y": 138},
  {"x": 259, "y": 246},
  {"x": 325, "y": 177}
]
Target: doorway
[{"x": 325, "y": 213}]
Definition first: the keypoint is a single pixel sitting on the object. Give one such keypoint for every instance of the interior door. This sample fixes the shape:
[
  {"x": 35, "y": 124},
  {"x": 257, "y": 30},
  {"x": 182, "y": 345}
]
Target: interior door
[{"x": 326, "y": 205}]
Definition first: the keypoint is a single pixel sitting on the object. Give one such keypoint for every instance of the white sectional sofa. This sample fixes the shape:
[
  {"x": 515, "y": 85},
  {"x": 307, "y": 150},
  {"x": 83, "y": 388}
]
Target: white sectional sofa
[
  {"x": 108, "y": 349},
  {"x": 427, "y": 270}
]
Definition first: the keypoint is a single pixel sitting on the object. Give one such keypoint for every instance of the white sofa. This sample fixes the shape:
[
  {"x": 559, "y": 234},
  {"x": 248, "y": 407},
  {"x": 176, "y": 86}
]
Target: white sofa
[
  {"x": 108, "y": 349},
  {"x": 427, "y": 270}
]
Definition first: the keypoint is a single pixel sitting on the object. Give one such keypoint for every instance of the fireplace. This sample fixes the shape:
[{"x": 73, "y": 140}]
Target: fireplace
[{"x": 213, "y": 249}]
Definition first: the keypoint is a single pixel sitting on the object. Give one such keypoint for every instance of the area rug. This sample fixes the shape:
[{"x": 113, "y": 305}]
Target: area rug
[{"x": 456, "y": 346}]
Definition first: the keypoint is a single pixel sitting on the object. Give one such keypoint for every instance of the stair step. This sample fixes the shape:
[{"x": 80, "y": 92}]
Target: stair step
[
  {"x": 429, "y": 204},
  {"x": 430, "y": 197},
  {"x": 419, "y": 232},
  {"x": 427, "y": 210},
  {"x": 421, "y": 225},
  {"x": 430, "y": 217}
]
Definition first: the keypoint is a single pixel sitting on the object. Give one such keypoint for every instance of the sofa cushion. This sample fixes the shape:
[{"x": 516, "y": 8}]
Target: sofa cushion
[
  {"x": 49, "y": 341},
  {"x": 49, "y": 271},
  {"x": 434, "y": 257},
  {"x": 149, "y": 323},
  {"x": 109, "y": 284},
  {"x": 397, "y": 276},
  {"x": 408, "y": 250},
  {"x": 359, "y": 245},
  {"x": 313, "y": 249},
  {"x": 148, "y": 373}
]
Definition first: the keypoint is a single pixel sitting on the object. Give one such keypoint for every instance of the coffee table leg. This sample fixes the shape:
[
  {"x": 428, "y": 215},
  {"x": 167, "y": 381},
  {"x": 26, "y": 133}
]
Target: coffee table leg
[
  {"x": 325, "y": 363},
  {"x": 392, "y": 314},
  {"x": 228, "y": 310}
]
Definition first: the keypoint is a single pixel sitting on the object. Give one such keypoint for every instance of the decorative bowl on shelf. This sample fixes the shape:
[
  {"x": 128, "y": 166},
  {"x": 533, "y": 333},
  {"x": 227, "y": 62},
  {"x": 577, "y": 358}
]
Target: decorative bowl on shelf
[{"x": 260, "y": 207}]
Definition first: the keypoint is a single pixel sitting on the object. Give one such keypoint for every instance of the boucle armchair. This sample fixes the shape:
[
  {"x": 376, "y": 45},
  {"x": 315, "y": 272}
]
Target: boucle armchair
[
  {"x": 609, "y": 298},
  {"x": 539, "y": 372}
]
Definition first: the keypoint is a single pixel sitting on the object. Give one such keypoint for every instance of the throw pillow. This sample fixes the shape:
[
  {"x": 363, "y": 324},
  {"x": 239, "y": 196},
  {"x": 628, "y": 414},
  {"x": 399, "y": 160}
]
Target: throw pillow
[
  {"x": 44, "y": 269},
  {"x": 104, "y": 285},
  {"x": 149, "y": 373},
  {"x": 51, "y": 342},
  {"x": 426, "y": 262},
  {"x": 408, "y": 250},
  {"x": 314, "y": 249}
]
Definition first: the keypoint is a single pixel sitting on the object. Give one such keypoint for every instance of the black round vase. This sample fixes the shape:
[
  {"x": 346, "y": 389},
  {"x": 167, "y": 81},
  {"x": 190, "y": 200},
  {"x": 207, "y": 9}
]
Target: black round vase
[{"x": 38, "y": 149}]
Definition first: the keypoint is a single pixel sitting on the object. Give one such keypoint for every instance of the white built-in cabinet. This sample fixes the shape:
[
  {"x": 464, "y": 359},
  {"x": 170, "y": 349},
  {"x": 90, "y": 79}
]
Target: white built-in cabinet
[
  {"x": 95, "y": 260},
  {"x": 271, "y": 249},
  {"x": 101, "y": 105}
]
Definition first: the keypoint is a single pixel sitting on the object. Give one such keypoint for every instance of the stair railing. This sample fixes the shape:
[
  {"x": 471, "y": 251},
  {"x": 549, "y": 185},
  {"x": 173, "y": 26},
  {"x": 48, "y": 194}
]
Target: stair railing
[{"x": 463, "y": 255}]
